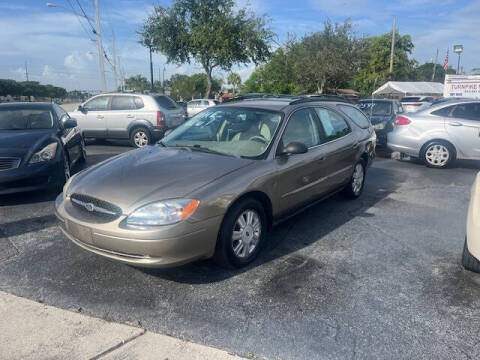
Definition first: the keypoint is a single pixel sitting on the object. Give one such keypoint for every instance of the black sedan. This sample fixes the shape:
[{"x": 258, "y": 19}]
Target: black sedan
[
  {"x": 382, "y": 114},
  {"x": 39, "y": 143}
]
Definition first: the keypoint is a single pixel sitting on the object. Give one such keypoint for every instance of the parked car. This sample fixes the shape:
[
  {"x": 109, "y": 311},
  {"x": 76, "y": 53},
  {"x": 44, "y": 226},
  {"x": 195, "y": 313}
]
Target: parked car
[
  {"x": 39, "y": 143},
  {"x": 416, "y": 103},
  {"x": 197, "y": 105},
  {"x": 382, "y": 113},
  {"x": 141, "y": 118},
  {"x": 215, "y": 185},
  {"x": 439, "y": 134},
  {"x": 471, "y": 248}
]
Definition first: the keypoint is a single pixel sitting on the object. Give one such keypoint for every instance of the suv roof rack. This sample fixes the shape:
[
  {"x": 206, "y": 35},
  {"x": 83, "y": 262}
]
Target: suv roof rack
[{"x": 291, "y": 99}]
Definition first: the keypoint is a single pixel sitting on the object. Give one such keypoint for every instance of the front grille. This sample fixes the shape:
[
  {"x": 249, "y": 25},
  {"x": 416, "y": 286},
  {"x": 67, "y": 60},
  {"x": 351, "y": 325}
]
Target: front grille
[
  {"x": 9, "y": 163},
  {"x": 95, "y": 206}
]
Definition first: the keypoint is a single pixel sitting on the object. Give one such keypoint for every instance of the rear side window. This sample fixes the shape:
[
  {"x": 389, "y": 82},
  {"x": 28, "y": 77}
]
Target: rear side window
[
  {"x": 97, "y": 104},
  {"x": 410, "y": 99},
  {"x": 443, "y": 112},
  {"x": 123, "y": 103},
  {"x": 333, "y": 124},
  {"x": 165, "y": 102},
  {"x": 356, "y": 115},
  {"x": 138, "y": 102},
  {"x": 205, "y": 103}
]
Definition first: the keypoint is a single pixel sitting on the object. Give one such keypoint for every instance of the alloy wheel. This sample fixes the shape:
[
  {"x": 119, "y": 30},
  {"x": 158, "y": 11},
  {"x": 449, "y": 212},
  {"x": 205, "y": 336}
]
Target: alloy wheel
[
  {"x": 358, "y": 177},
  {"x": 437, "y": 155},
  {"x": 246, "y": 233},
  {"x": 141, "y": 138}
]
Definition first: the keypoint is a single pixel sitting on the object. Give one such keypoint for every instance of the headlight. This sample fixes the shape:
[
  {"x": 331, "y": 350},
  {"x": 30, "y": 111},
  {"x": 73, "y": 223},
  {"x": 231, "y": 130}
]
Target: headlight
[
  {"x": 67, "y": 184},
  {"x": 46, "y": 154},
  {"x": 163, "y": 212}
]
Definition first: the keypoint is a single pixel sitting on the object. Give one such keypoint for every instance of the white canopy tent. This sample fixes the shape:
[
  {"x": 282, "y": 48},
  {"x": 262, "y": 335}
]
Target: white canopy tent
[{"x": 410, "y": 88}]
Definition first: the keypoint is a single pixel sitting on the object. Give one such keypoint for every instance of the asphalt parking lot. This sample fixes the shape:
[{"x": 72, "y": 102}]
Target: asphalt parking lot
[{"x": 379, "y": 277}]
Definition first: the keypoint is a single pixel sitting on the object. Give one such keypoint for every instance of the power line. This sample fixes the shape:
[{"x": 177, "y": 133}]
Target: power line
[
  {"x": 86, "y": 17},
  {"x": 79, "y": 20}
]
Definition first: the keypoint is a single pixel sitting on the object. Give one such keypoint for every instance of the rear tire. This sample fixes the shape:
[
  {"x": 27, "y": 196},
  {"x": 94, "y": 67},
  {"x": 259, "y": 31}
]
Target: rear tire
[
  {"x": 237, "y": 245},
  {"x": 438, "y": 154},
  {"x": 140, "y": 137},
  {"x": 469, "y": 262},
  {"x": 83, "y": 155},
  {"x": 356, "y": 184}
]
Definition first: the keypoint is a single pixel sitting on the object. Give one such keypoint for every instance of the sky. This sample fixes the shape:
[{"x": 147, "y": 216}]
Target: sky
[{"x": 56, "y": 46}]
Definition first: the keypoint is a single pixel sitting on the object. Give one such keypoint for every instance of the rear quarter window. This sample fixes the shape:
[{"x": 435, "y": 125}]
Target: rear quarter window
[
  {"x": 356, "y": 115},
  {"x": 165, "y": 102}
]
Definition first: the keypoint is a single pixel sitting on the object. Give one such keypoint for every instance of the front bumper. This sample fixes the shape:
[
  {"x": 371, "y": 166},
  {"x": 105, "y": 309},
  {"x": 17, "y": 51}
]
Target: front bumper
[
  {"x": 30, "y": 177},
  {"x": 155, "y": 247}
]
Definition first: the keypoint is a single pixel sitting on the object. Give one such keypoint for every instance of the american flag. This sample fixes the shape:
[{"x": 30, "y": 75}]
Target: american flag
[{"x": 445, "y": 63}]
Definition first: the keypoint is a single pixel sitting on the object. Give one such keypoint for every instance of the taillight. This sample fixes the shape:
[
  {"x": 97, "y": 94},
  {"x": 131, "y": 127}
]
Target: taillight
[
  {"x": 402, "y": 120},
  {"x": 161, "y": 118}
]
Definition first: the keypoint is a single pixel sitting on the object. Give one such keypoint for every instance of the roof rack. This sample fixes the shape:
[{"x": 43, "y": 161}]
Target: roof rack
[{"x": 309, "y": 98}]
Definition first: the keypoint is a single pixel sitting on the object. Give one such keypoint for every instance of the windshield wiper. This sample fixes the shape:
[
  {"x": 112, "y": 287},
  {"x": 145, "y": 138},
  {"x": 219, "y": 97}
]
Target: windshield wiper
[
  {"x": 198, "y": 147},
  {"x": 162, "y": 143}
]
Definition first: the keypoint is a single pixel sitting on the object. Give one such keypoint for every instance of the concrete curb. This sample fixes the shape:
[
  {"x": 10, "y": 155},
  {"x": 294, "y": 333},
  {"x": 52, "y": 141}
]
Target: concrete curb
[{"x": 31, "y": 330}]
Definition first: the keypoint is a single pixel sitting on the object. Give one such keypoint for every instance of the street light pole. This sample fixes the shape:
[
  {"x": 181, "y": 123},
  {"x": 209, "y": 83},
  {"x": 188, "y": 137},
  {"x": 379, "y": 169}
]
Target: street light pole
[
  {"x": 100, "y": 49},
  {"x": 458, "y": 49},
  {"x": 163, "y": 81}
]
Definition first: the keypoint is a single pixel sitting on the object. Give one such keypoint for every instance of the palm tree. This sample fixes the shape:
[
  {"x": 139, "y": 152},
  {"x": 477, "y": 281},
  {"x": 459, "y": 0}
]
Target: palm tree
[{"x": 235, "y": 80}]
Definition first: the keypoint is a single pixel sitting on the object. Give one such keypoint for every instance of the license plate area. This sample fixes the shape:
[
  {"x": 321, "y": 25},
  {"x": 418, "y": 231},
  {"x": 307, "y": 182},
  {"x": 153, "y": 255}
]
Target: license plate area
[{"x": 79, "y": 232}]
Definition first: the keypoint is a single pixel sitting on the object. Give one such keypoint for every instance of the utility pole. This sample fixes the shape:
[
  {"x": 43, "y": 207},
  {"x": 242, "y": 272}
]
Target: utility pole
[
  {"x": 393, "y": 45},
  {"x": 435, "y": 65},
  {"x": 26, "y": 70},
  {"x": 100, "y": 48},
  {"x": 122, "y": 78},
  {"x": 114, "y": 61},
  {"x": 163, "y": 82}
]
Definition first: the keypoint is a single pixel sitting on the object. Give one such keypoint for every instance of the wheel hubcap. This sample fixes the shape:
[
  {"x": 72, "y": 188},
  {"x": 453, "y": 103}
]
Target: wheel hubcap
[
  {"x": 357, "y": 179},
  {"x": 246, "y": 233},
  {"x": 437, "y": 155},
  {"x": 141, "y": 139}
]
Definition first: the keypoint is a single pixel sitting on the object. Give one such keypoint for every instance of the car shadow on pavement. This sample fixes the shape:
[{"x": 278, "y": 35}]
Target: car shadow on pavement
[{"x": 296, "y": 233}]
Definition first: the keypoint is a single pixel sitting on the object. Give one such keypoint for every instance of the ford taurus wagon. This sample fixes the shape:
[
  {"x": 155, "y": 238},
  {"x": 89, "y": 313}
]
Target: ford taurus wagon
[{"x": 216, "y": 185}]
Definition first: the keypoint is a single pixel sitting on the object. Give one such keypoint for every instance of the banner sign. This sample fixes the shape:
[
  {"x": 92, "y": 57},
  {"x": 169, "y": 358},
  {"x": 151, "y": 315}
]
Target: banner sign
[{"x": 462, "y": 86}]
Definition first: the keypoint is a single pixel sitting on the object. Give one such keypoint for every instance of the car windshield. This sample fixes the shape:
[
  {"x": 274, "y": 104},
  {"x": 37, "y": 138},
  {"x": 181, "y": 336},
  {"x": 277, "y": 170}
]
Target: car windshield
[
  {"x": 23, "y": 119},
  {"x": 378, "y": 108},
  {"x": 234, "y": 131}
]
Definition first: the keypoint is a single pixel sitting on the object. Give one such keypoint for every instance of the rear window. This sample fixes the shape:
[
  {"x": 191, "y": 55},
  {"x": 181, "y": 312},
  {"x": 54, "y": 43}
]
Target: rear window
[
  {"x": 165, "y": 102},
  {"x": 23, "y": 119},
  {"x": 410, "y": 99},
  {"x": 356, "y": 115},
  {"x": 444, "y": 111}
]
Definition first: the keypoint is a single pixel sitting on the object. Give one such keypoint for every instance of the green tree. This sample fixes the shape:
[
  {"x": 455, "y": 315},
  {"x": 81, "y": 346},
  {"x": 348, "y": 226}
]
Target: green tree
[
  {"x": 425, "y": 71},
  {"x": 235, "y": 80},
  {"x": 375, "y": 68},
  {"x": 327, "y": 59},
  {"x": 187, "y": 87},
  {"x": 137, "y": 82},
  {"x": 210, "y": 32}
]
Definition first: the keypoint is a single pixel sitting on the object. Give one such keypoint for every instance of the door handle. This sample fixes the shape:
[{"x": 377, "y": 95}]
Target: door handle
[
  {"x": 454, "y": 123},
  {"x": 130, "y": 116},
  {"x": 99, "y": 116}
]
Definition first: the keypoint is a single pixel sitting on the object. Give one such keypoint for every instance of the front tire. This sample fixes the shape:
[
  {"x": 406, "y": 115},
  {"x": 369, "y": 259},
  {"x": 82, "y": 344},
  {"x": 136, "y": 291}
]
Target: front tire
[
  {"x": 469, "y": 262},
  {"x": 241, "y": 235},
  {"x": 140, "y": 137},
  {"x": 83, "y": 154},
  {"x": 355, "y": 187},
  {"x": 438, "y": 154}
]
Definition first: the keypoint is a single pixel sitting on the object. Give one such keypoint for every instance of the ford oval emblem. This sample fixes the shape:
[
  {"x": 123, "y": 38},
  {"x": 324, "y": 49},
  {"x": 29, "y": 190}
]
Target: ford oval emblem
[{"x": 90, "y": 207}]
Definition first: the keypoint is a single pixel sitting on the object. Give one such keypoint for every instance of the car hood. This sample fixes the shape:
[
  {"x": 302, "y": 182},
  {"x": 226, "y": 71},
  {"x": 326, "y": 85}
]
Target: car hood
[
  {"x": 17, "y": 143},
  {"x": 153, "y": 173}
]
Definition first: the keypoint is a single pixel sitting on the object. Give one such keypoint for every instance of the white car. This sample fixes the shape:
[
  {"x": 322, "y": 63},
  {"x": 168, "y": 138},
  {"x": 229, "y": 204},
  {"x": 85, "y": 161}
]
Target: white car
[
  {"x": 197, "y": 105},
  {"x": 471, "y": 249},
  {"x": 416, "y": 103}
]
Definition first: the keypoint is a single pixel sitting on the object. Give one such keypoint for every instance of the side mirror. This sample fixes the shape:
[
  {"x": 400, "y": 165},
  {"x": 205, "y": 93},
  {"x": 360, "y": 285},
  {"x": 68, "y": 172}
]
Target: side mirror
[
  {"x": 81, "y": 109},
  {"x": 69, "y": 123},
  {"x": 294, "y": 148}
]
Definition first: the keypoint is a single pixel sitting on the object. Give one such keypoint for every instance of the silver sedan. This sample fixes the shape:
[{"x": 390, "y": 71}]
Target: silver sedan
[{"x": 439, "y": 134}]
